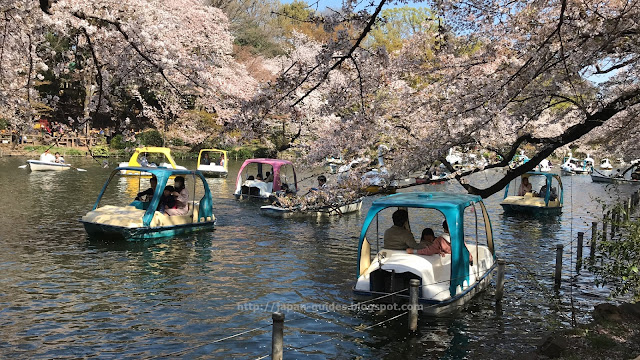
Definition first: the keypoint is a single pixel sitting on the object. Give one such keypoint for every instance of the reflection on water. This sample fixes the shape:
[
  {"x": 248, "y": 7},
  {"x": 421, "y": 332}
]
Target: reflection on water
[{"x": 67, "y": 296}]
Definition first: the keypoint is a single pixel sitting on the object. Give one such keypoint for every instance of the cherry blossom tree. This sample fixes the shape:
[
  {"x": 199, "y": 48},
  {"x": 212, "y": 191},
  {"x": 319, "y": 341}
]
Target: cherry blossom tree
[
  {"x": 161, "y": 57},
  {"x": 493, "y": 75}
]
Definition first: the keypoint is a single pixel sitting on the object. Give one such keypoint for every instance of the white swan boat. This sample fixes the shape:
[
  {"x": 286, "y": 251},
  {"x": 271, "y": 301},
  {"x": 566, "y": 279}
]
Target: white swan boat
[{"x": 605, "y": 164}]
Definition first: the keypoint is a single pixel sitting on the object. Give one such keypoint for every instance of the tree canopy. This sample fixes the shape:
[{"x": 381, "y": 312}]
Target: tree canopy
[{"x": 476, "y": 73}]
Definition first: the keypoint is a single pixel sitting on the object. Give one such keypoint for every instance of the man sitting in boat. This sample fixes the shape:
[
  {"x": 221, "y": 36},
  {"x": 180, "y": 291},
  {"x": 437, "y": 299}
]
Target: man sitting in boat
[
  {"x": 181, "y": 198},
  {"x": 47, "y": 156},
  {"x": 543, "y": 192},
  {"x": 59, "y": 159},
  {"x": 205, "y": 159},
  {"x": 269, "y": 177},
  {"x": 525, "y": 187},
  {"x": 433, "y": 245},
  {"x": 147, "y": 194},
  {"x": 398, "y": 237},
  {"x": 322, "y": 184}
]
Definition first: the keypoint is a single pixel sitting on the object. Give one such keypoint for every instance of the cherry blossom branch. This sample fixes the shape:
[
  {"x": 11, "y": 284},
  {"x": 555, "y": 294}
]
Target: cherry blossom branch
[
  {"x": 573, "y": 133},
  {"x": 98, "y": 68},
  {"x": 126, "y": 36},
  {"x": 342, "y": 58}
]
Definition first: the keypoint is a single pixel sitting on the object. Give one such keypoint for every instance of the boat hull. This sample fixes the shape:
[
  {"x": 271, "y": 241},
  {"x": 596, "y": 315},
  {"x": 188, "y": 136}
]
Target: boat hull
[
  {"x": 612, "y": 180},
  {"x": 376, "y": 189},
  {"x": 142, "y": 233},
  {"x": 533, "y": 210},
  {"x": 213, "y": 170},
  {"x": 438, "y": 308},
  {"x": 35, "y": 165},
  {"x": 325, "y": 211}
]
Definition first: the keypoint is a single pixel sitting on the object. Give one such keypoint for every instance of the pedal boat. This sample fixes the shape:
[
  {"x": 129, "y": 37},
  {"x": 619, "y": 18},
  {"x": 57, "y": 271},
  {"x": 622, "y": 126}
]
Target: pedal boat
[
  {"x": 323, "y": 211},
  {"x": 215, "y": 168},
  {"x": 139, "y": 220},
  {"x": 549, "y": 203},
  {"x": 446, "y": 283},
  {"x": 252, "y": 189},
  {"x": 134, "y": 161}
]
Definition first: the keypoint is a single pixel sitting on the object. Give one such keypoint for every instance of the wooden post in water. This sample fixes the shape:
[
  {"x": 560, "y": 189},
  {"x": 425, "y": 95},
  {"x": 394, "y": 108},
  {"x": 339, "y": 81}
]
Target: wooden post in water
[
  {"x": 277, "y": 337},
  {"x": 413, "y": 299},
  {"x": 628, "y": 217},
  {"x": 613, "y": 222},
  {"x": 558, "y": 275},
  {"x": 500, "y": 280},
  {"x": 604, "y": 229},
  {"x": 579, "y": 251},
  {"x": 594, "y": 235}
]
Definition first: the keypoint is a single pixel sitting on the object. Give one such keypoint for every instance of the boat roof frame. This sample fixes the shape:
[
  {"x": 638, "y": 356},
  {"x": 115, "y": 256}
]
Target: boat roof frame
[
  {"x": 162, "y": 175},
  {"x": 452, "y": 207}
]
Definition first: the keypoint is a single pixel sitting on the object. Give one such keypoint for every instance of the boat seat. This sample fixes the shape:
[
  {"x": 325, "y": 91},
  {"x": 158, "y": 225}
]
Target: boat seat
[{"x": 160, "y": 219}]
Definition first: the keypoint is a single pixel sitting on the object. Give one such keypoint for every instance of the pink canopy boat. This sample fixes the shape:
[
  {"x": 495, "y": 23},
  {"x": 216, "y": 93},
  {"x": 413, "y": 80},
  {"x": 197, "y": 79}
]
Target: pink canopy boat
[{"x": 260, "y": 178}]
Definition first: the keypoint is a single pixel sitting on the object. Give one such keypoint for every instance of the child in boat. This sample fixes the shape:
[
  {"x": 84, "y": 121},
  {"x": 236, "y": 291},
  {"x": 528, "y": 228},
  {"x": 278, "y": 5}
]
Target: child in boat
[
  {"x": 181, "y": 197},
  {"x": 432, "y": 244},
  {"x": 167, "y": 201}
]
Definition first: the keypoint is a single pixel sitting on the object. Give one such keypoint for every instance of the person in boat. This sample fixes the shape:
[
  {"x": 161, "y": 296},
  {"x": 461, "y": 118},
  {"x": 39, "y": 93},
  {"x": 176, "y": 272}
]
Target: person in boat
[
  {"x": 181, "y": 198},
  {"x": 525, "y": 187},
  {"x": 543, "y": 192},
  {"x": 59, "y": 159},
  {"x": 434, "y": 245},
  {"x": 205, "y": 159},
  {"x": 259, "y": 178},
  {"x": 269, "y": 177},
  {"x": 398, "y": 237},
  {"x": 322, "y": 184},
  {"x": 47, "y": 156},
  {"x": 143, "y": 161},
  {"x": 167, "y": 201},
  {"x": 147, "y": 194},
  {"x": 445, "y": 232},
  {"x": 222, "y": 160}
]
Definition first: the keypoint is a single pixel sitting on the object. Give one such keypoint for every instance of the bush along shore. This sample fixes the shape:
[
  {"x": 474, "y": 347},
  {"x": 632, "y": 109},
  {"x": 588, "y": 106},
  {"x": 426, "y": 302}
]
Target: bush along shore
[{"x": 614, "y": 333}]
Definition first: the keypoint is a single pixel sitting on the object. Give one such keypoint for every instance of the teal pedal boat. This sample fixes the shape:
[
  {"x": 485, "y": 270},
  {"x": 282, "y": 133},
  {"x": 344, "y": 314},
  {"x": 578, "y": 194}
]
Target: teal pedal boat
[
  {"x": 448, "y": 279},
  {"x": 131, "y": 208}
]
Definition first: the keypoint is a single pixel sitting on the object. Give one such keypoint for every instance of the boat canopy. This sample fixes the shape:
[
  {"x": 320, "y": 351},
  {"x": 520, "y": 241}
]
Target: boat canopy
[
  {"x": 214, "y": 151},
  {"x": 276, "y": 165},
  {"x": 133, "y": 161},
  {"x": 452, "y": 206},
  {"x": 205, "y": 209}
]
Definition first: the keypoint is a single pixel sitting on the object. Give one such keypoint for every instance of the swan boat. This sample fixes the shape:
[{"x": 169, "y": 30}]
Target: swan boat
[
  {"x": 543, "y": 166},
  {"x": 140, "y": 159},
  {"x": 249, "y": 187},
  {"x": 338, "y": 209},
  {"x": 605, "y": 164},
  {"x": 120, "y": 214},
  {"x": 447, "y": 282},
  {"x": 218, "y": 167},
  {"x": 545, "y": 201},
  {"x": 619, "y": 177},
  {"x": 573, "y": 166}
]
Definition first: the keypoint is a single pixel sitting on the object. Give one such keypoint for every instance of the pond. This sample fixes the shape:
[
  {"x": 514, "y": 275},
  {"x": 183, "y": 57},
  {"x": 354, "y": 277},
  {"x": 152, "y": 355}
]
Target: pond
[{"x": 65, "y": 295}]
